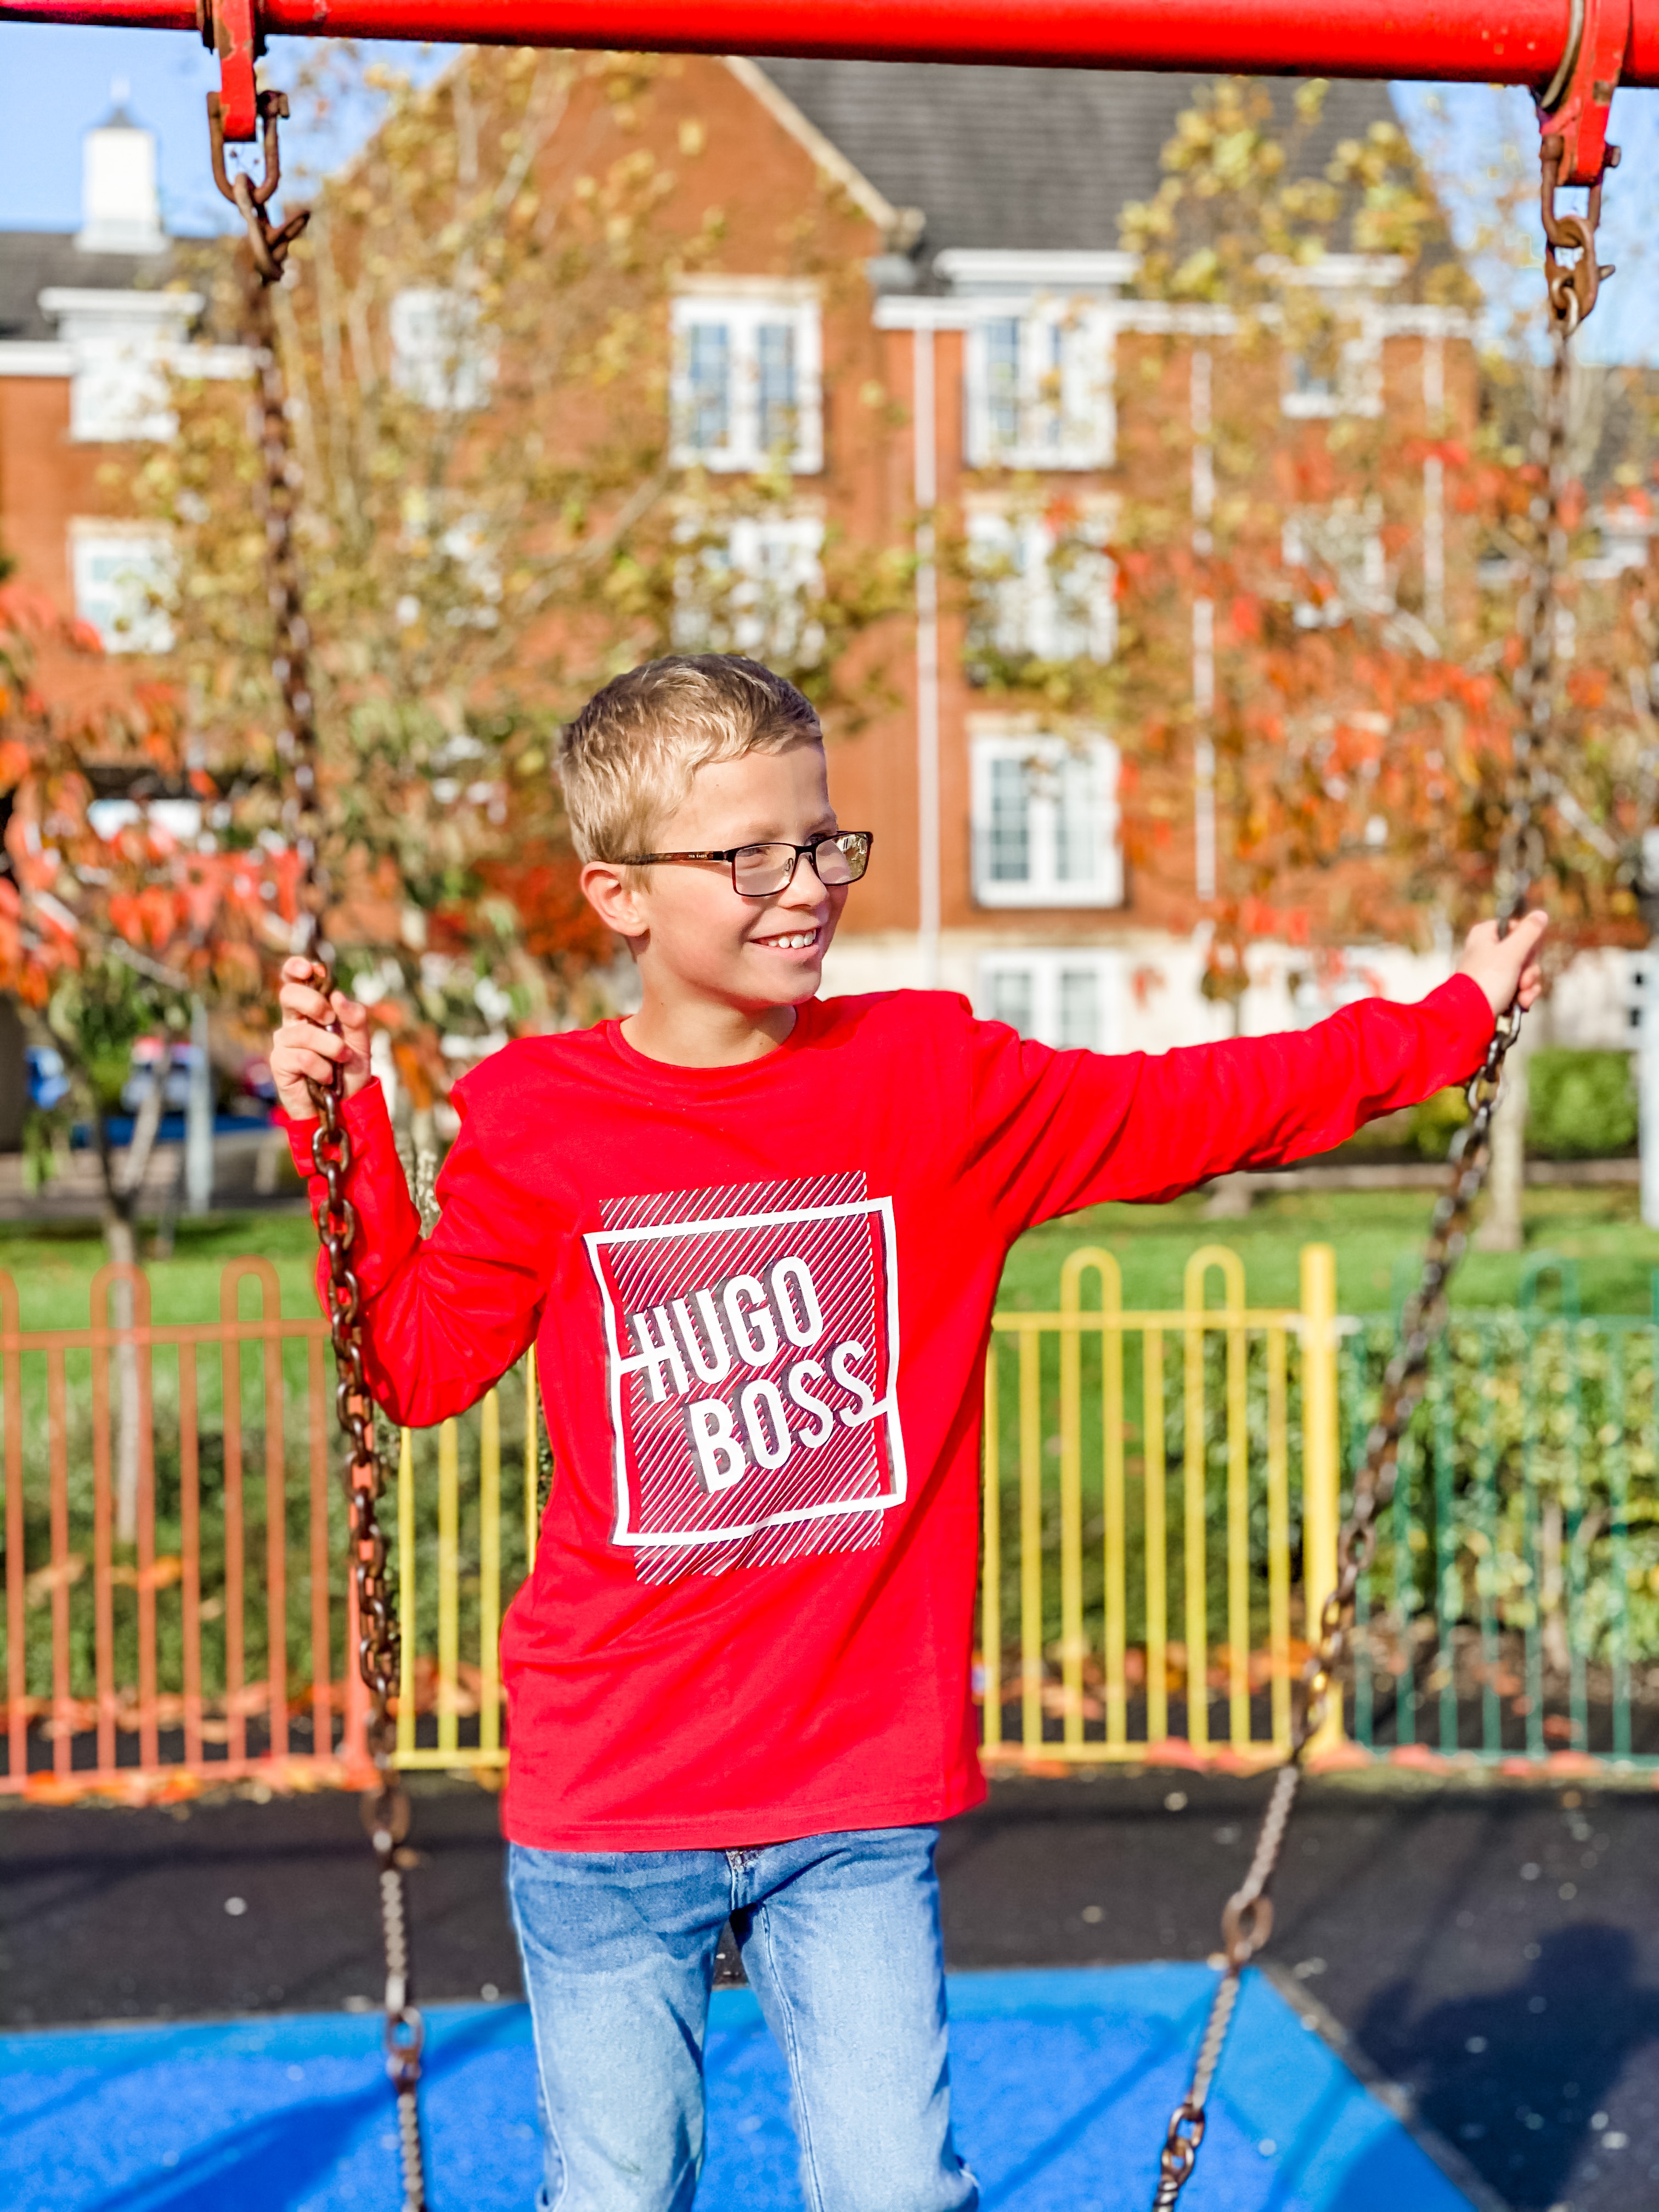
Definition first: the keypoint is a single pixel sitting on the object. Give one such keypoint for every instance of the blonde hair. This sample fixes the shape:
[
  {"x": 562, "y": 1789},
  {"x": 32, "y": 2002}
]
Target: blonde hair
[{"x": 627, "y": 759}]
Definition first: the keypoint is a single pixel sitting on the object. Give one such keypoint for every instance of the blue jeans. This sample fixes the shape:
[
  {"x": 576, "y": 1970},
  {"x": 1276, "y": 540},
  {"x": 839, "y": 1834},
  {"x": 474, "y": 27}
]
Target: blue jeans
[{"x": 839, "y": 1937}]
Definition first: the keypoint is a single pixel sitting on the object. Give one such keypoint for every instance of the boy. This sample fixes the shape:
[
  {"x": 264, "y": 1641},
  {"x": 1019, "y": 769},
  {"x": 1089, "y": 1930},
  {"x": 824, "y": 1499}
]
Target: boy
[{"x": 755, "y": 1238}]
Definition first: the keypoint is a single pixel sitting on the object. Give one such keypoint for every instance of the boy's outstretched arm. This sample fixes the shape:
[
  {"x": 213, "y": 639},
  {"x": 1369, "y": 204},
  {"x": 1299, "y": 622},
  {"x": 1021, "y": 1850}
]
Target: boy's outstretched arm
[
  {"x": 1088, "y": 1128},
  {"x": 444, "y": 1317}
]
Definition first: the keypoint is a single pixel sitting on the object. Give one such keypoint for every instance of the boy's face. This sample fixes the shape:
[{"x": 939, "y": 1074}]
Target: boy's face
[{"x": 691, "y": 933}]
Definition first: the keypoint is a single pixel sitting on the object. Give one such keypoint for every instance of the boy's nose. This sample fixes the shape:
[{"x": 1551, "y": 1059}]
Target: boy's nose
[{"x": 806, "y": 887}]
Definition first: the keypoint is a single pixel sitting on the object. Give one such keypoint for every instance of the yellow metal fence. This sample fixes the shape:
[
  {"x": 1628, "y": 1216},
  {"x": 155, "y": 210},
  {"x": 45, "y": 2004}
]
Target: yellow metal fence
[
  {"x": 1139, "y": 1594},
  {"x": 1145, "y": 1473},
  {"x": 435, "y": 1677},
  {"x": 175, "y": 1619}
]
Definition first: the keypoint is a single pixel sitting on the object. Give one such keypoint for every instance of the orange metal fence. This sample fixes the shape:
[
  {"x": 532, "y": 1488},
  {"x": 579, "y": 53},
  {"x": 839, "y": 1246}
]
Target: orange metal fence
[
  {"x": 178, "y": 1611},
  {"x": 153, "y": 1566}
]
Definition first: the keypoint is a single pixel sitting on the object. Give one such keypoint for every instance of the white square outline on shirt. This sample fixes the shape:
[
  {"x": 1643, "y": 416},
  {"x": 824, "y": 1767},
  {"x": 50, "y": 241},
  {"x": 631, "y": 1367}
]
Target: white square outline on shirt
[{"x": 885, "y": 1406}]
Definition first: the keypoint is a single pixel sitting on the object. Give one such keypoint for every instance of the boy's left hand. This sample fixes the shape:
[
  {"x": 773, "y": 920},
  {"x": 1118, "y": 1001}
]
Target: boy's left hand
[{"x": 1506, "y": 967}]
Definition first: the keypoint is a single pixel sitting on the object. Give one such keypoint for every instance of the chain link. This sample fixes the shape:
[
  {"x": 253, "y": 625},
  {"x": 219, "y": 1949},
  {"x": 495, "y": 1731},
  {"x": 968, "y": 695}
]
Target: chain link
[
  {"x": 386, "y": 1809},
  {"x": 268, "y": 241},
  {"x": 1247, "y": 1921}
]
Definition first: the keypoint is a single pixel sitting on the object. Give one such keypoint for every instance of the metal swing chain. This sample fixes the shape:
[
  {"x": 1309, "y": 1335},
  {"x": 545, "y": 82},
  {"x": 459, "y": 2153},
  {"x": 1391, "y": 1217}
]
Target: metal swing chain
[
  {"x": 386, "y": 1808},
  {"x": 1247, "y": 1921}
]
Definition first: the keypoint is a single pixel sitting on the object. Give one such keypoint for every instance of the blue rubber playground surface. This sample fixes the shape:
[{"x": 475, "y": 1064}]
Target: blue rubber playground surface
[{"x": 1064, "y": 2079}]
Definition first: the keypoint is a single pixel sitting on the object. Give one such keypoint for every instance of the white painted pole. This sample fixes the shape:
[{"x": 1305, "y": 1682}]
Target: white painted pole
[
  {"x": 1203, "y": 495},
  {"x": 198, "y": 1117},
  {"x": 1647, "y": 1078},
  {"x": 1647, "y": 1040},
  {"x": 924, "y": 434}
]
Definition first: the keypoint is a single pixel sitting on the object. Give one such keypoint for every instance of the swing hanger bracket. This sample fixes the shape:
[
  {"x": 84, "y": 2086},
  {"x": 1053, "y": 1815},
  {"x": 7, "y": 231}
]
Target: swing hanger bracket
[
  {"x": 268, "y": 241},
  {"x": 1573, "y": 112},
  {"x": 230, "y": 28}
]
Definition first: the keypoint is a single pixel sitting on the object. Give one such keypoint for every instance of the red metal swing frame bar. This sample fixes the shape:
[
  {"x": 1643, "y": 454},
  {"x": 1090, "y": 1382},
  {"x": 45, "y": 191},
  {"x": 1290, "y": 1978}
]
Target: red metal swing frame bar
[{"x": 1572, "y": 54}]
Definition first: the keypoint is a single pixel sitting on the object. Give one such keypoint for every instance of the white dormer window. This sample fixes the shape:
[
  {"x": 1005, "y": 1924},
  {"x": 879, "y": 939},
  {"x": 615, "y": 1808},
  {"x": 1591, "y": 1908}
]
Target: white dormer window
[
  {"x": 122, "y": 345},
  {"x": 439, "y": 355},
  {"x": 1040, "y": 387},
  {"x": 1045, "y": 816},
  {"x": 124, "y": 582},
  {"x": 1040, "y": 592},
  {"x": 747, "y": 388}
]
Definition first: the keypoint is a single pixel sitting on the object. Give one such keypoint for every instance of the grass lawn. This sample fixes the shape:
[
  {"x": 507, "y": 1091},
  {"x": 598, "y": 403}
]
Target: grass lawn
[
  {"x": 52, "y": 1264},
  {"x": 1377, "y": 1235}
]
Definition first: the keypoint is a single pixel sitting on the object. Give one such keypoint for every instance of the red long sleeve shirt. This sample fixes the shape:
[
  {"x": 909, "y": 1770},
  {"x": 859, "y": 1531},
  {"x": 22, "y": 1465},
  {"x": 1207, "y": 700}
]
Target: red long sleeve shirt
[{"x": 760, "y": 1298}]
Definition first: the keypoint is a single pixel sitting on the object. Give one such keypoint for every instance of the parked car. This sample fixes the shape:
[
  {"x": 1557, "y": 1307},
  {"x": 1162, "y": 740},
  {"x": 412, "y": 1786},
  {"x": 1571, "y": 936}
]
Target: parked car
[
  {"x": 176, "y": 1059},
  {"x": 49, "y": 1083}
]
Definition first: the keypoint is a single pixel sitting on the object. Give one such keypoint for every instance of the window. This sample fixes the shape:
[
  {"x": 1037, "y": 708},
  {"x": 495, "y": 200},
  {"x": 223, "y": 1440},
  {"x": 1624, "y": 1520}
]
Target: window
[
  {"x": 1039, "y": 593},
  {"x": 748, "y": 586},
  {"x": 1045, "y": 819},
  {"x": 1040, "y": 389},
  {"x": 1338, "y": 551},
  {"x": 746, "y": 382},
  {"x": 122, "y": 345},
  {"x": 1070, "y": 999},
  {"x": 1334, "y": 364},
  {"x": 118, "y": 390},
  {"x": 124, "y": 580},
  {"x": 439, "y": 355}
]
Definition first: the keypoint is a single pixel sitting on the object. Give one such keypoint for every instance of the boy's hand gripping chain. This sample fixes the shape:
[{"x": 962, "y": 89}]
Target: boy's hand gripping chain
[
  {"x": 385, "y": 1807},
  {"x": 1247, "y": 1922}
]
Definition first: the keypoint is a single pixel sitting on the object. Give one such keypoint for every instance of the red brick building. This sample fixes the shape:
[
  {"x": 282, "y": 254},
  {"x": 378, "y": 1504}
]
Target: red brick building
[{"x": 990, "y": 360}]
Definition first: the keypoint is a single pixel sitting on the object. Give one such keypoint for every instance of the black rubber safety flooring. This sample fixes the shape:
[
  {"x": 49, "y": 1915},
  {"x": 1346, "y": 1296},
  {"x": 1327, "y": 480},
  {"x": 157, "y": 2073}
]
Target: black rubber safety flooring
[{"x": 1492, "y": 1951}]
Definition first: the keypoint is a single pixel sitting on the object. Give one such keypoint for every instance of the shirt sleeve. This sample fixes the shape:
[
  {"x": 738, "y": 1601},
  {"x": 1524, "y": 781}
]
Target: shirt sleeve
[
  {"x": 446, "y": 1315},
  {"x": 1061, "y": 1130}
]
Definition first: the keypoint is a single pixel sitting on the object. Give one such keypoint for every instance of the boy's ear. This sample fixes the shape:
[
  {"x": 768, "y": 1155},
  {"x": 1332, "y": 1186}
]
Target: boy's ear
[{"x": 616, "y": 901}]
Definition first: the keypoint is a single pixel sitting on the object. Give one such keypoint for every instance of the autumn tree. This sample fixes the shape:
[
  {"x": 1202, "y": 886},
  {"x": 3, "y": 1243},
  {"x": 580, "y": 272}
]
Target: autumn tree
[
  {"x": 475, "y": 335},
  {"x": 107, "y": 936},
  {"x": 1364, "y": 699}
]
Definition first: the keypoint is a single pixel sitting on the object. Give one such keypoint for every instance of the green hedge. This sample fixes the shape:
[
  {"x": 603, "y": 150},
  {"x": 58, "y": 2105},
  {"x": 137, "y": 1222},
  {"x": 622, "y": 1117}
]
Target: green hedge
[{"x": 1580, "y": 1106}]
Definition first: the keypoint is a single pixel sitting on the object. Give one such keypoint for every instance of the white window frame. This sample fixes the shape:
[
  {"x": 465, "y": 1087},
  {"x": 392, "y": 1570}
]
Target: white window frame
[
  {"x": 1044, "y": 971},
  {"x": 1074, "y": 426},
  {"x": 1366, "y": 585},
  {"x": 998, "y": 746},
  {"x": 1357, "y": 388},
  {"x": 440, "y": 356},
  {"x": 744, "y": 309},
  {"x": 122, "y": 345},
  {"x": 775, "y": 564},
  {"x": 1021, "y": 612},
  {"x": 117, "y": 604}
]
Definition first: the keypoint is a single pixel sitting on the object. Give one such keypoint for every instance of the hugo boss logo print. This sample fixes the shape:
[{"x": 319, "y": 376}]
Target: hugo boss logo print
[{"x": 752, "y": 1348}]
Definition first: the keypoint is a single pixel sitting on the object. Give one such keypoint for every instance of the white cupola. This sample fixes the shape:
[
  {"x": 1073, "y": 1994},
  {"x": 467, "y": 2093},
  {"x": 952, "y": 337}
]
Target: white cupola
[{"x": 120, "y": 205}]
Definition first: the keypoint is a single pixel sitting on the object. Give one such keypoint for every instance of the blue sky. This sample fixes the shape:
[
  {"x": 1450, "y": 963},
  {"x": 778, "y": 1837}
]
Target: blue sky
[{"x": 55, "y": 83}]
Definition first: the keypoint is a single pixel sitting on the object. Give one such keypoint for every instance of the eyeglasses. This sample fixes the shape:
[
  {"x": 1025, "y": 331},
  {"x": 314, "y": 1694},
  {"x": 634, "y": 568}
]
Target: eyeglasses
[{"x": 763, "y": 871}]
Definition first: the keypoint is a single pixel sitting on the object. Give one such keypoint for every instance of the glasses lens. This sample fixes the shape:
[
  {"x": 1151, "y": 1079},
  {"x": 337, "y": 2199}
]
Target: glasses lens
[
  {"x": 841, "y": 860},
  {"x": 759, "y": 870}
]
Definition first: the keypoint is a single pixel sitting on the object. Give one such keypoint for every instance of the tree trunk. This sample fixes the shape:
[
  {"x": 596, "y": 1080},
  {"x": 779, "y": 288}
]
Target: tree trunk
[
  {"x": 1647, "y": 1065},
  {"x": 1503, "y": 1230},
  {"x": 13, "y": 1077},
  {"x": 423, "y": 1137},
  {"x": 121, "y": 1238}
]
